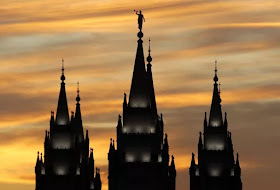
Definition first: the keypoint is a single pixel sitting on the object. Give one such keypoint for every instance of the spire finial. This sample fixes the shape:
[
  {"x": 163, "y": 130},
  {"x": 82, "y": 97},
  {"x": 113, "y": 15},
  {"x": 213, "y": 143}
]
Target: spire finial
[
  {"x": 216, "y": 66},
  {"x": 149, "y": 45},
  {"x": 149, "y": 58},
  {"x": 62, "y": 70},
  {"x": 78, "y": 92},
  {"x": 219, "y": 87},
  {"x": 62, "y": 61},
  {"x": 216, "y": 77}
]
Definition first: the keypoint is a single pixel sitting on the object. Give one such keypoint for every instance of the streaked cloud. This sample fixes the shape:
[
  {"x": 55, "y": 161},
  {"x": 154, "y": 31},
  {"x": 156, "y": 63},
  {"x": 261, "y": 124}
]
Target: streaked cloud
[{"x": 97, "y": 39}]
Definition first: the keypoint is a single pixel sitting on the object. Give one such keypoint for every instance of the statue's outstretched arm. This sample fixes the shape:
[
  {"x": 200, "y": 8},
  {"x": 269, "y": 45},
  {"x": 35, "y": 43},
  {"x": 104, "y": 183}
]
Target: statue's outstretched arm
[{"x": 144, "y": 19}]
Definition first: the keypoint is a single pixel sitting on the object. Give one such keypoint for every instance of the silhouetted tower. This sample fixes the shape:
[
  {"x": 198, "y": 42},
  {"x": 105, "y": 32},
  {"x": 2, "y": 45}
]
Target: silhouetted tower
[
  {"x": 67, "y": 164},
  {"x": 216, "y": 168},
  {"x": 140, "y": 160}
]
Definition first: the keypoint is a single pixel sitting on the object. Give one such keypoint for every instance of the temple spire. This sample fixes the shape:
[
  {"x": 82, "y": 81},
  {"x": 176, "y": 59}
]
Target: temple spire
[
  {"x": 149, "y": 58},
  {"x": 237, "y": 169},
  {"x": 200, "y": 139},
  {"x": 38, "y": 160},
  {"x": 237, "y": 160},
  {"x": 62, "y": 114},
  {"x": 124, "y": 100},
  {"x": 172, "y": 164},
  {"x": 150, "y": 82},
  {"x": 138, "y": 96},
  {"x": 165, "y": 151},
  {"x": 225, "y": 122},
  {"x": 41, "y": 160},
  {"x": 216, "y": 119},
  {"x": 193, "y": 160},
  {"x": 119, "y": 122},
  {"x": 78, "y": 99}
]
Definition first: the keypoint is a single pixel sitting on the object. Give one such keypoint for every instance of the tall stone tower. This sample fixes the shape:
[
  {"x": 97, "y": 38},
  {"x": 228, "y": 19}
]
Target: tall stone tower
[
  {"x": 67, "y": 163},
  {"x": 140, "y": 159},
  {"x": 216, "y": 168}
]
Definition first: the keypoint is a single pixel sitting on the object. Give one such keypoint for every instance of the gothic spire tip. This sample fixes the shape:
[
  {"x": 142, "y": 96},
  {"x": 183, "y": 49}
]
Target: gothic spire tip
[
  {"x": 78, "y": 92},
  {"x": 216, "y": 77},
  {"x": 149, "y": 58},
  {"x": 62, "y": 71}
]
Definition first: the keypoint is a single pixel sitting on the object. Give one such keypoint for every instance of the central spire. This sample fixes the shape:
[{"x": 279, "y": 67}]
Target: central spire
[
  {"x": 62, "y": 114},
  {"x": 138, "y": 92},
  {"x": 216, "y": 118}
]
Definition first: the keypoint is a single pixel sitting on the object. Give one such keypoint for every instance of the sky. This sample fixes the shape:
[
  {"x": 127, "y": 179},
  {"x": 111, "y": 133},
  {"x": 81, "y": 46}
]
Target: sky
[{"x": 98, "y": 39}]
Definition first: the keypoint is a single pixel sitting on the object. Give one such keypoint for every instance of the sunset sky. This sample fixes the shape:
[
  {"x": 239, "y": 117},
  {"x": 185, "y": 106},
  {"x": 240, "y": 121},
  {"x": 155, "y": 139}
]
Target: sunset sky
[{"x": 98, "y": 39}]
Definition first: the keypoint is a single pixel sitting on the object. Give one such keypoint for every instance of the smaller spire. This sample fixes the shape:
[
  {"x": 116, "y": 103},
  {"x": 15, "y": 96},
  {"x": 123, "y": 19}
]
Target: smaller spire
[
  {"x": 38, "y": 157},
  {"x": 119, "y": 122},
  {"x": 62, "y": 114},
  {"x": 97, "y": 179},
  {"x": 193, "y": 160},
  {"x": 149, "y": 58},
  {"x": 111, "y": 145},
  {"x": 38, "y": 164},
  {"x": 41, "y": 158},
  {"x": 237, "y": 160},
  {"x": 165, "y": 140},
  {"x": 91, "y": 161},
  {"x": 225, "y": 122},
  {"x": 172, "y": 162},
  {"x": 205, "y": 119},
  {"x": 200, "y": 138},
  {"x": 78, "y": 115},
  {"x": 124, "y": 99},
  {"x": 216, "y": 116},
  {"x": 219, "y": 88},
  {"x": 91, "y": 153},
  {"x": 52, "y": 116}
]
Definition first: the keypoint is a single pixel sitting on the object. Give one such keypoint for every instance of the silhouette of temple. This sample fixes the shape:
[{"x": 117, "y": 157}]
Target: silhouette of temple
[
  {"x": 67, "y": 163},
  {"x": 140, "y": 160},
  {"x": 216, "y": 168}
]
